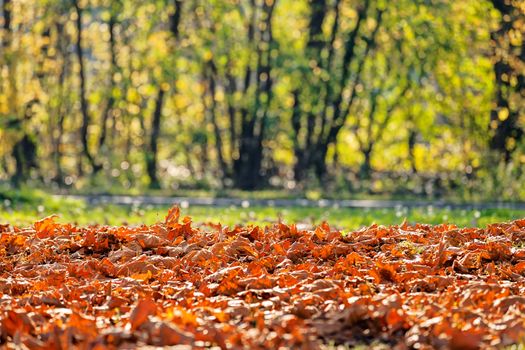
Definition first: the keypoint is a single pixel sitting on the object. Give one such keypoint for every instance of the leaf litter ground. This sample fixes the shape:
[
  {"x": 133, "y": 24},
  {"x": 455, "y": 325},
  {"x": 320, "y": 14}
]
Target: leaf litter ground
[{"x": 407, "y": 286}]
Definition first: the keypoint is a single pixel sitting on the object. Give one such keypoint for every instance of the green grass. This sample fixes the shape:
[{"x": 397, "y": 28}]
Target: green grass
[
  {"x": 24, "y": 209},
  {"x": 312, "y": 194}
]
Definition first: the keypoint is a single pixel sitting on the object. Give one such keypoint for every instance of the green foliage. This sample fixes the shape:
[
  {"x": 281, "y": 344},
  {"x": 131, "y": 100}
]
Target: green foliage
[{"x": 418, "y": 99}]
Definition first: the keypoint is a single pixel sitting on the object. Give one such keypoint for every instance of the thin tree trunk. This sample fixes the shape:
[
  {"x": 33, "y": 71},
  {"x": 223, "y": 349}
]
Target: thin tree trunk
[
  {"x": 232, "y": 111},
  {"x": 412, "y": 141},
  {"x": 57, "y": 144},
  {"x": 300, "y": 166},
  {"x": 213, "y": 118},
  {"x": 366, "y": 166},
  {"x": 107, "y": 113},
  {"x": 152, "y": 151},
  {"x": 84, "y": 104},
  {"x": 152, "y": 155},
  {"x": 9, "y": 59},
  {"x": 60, "y": 112},
  {"x": 6, "y": 10}
]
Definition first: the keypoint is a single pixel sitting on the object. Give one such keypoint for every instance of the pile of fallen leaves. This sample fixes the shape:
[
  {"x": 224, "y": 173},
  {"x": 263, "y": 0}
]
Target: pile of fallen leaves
[{"x": 64, "y": 286}]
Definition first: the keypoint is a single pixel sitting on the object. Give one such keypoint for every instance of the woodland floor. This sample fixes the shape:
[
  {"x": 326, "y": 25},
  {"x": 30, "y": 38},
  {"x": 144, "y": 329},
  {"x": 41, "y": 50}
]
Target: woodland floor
[{"x": 406, "y": 286}]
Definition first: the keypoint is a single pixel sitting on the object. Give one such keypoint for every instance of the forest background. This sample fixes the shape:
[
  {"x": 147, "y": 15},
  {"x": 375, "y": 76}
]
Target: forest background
[{"x": 347, "y": 98}]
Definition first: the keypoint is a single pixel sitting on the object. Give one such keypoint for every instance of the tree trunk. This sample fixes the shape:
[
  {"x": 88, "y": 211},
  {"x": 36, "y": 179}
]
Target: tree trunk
[
  {"x": 25, "y": 155},
  {"x": 248, "y": 175},
  {"x": 108, "y": 110},
  {"x": 152, "y": 154},
  {"x": 300, "y": 169},
  {"x": 412, "y": 140},
  {"x": 84, "y": 104},
  {"x": 6, "y": 11},
  {"x": 248, "y": 167},
  {"x": 57, "y": 153},
  {"x": 61, "y": 111},
  {"x": 211, "y": 71},
  {"x": 366, "y": 168},
  {"x": 313, "y": 143},
  {"x": 9, "y": 60},
  {"x": 341, "y": 112}
]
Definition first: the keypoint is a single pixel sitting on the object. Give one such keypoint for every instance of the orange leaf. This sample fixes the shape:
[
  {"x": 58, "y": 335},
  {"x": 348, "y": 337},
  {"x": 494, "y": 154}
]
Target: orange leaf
[
  {"x": 173, "y": 216},
  {"x": 46, "y": 226},
  {"x": 145, "y": 308},
  {"x": 172, "y": 335}
]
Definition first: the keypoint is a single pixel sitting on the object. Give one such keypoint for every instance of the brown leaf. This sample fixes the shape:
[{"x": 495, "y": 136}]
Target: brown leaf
[
  {"x": 149, "y": 241},
  {"x": 16, "y": 322},
  {"x": 471, "y": 260},
  {"x": 172, "y": 335},
  {"x": 145, "y": 307}
]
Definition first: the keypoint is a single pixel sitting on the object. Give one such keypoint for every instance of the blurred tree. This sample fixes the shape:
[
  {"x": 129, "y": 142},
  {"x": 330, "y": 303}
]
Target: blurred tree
[
  {"x": 6, "y": 25},
  {"x": 60, "y": 104},
  {"x": 322, "y": 105},
  {"x": 152, "y": 151},
  {"x": 84, "y": 103},
  {"x": 508, "y": 113},
  {"x": 251, "y": 93},
  {"x": 249, "y": 82},
  {"x": 114, "y": 8}
]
